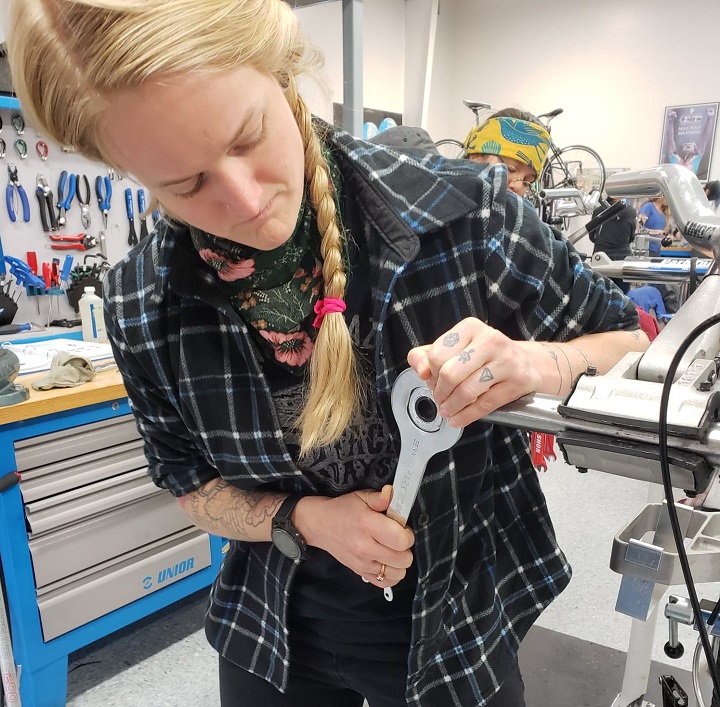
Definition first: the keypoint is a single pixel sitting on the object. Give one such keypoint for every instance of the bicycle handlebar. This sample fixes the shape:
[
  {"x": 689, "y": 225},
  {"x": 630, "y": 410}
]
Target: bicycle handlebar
[
  {"x": 610, "y": 416},
  {"x": 697, "y": 222}
]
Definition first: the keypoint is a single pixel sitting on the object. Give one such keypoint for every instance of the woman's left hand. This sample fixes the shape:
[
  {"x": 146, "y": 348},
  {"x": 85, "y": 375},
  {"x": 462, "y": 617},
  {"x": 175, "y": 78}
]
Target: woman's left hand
[{"x": 474, "y": 369}]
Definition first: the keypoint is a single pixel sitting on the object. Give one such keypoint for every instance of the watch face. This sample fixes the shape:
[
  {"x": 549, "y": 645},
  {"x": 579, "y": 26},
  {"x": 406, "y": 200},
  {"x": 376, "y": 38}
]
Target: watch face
[{"x": 286, "y": 543}]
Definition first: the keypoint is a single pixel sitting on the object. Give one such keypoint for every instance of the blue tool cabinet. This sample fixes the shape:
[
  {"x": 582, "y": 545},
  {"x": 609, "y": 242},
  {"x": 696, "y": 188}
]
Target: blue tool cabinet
[{"x": 88, "y": 545}]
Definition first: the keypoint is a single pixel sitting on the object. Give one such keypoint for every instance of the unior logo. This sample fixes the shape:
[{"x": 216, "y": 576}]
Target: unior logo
[{"x": 176, "y": 570}]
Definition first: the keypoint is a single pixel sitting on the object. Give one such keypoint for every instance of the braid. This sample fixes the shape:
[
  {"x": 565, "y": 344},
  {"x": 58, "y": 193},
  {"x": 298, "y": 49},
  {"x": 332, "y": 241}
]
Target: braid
[{"x": 334, "y": 393}]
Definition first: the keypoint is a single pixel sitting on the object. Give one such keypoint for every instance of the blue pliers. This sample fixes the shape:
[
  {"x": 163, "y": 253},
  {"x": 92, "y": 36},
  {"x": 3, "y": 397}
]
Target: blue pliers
[
  {"x": 65, "y": 197},
  {"x": 103, "y": 190},
  {"x": 14, "y": 190}
]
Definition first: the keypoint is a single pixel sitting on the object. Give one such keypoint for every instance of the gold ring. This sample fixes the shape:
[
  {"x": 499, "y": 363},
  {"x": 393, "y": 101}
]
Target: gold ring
[{"x": 381, "y": 574}]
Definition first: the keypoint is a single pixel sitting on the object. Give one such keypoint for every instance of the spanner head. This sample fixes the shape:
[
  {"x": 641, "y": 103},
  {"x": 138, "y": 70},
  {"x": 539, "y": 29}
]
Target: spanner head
[{"x": 414, "y": 406}]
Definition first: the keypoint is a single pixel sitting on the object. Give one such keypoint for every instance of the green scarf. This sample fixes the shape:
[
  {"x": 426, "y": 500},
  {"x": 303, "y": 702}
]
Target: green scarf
[{"x": 274, "y": 291}]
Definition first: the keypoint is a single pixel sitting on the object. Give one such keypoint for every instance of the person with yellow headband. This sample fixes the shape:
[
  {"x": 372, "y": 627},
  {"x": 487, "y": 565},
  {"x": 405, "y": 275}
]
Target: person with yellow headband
[{"x": 514, "y": 138}]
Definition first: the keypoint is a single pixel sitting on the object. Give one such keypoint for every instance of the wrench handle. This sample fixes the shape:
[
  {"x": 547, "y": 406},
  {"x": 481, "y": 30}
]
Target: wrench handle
[
  {"x": 408, "y": 477},
  {"x": 25, "y": 203},
  {"x": 42, "y": 203}
]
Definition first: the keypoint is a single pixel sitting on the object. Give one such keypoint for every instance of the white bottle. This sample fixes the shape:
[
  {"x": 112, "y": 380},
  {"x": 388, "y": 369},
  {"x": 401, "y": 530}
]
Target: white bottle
[{"x": 91, "y": 315}]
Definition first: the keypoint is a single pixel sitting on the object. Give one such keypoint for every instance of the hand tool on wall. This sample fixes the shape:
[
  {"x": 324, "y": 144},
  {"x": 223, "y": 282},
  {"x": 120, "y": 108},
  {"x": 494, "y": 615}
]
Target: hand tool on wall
[
  {"x": 21, "y": 148},
  {"x": 82, "y": 189},
  {"x": 14, "y": 190},
  {"x": 51, "y": 276},
  {"x": 102, "y": 242},
  {"x": 26, "y": 273},
  {"x": 132, "y": 235},
  {"x": 103, "y": 191},
  {"x": 65, "y": 271},
  {"x": 42, "y": 149},
  {"x": 8, "y": 304},
  {"x": 3, "y": 148},
  {"x": 23, "y": 271},
  {"x": 81, "y": 241},
  {"x": 45, "y": 201},
  {"x": 142, "y": 208},
  {"x": 18, "y": 123},
  {"x": 65, "y": 194}
]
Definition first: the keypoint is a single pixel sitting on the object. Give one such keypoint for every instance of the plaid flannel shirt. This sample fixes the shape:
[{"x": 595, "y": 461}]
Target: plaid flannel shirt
[{"x": 446, "y": 240}]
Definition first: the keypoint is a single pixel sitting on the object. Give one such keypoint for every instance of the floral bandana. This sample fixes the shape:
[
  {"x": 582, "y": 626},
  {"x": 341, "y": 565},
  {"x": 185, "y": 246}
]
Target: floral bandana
[{"x": 274, "y": 291}]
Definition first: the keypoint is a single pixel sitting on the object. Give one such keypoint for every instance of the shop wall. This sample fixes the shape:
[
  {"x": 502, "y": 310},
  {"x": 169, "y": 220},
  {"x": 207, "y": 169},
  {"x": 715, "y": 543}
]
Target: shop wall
[
  {"x": 613, "y": 65},
  {"x": 383, "y": 54}
]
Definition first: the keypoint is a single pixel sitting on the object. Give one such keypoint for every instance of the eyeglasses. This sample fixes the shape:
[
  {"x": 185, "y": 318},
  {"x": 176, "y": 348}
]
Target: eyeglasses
[{"x": 512, "y": 179}]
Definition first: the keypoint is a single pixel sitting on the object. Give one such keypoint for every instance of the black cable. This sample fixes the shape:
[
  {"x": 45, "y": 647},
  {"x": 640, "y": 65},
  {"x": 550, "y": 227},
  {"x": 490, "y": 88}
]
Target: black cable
[
  {"x": 667, "y": 486},
  {"x": 714, "y": 613}
]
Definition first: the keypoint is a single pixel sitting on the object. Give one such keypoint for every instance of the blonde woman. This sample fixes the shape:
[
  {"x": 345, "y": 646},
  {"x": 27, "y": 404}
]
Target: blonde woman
[{"x": 260, "y": 329}]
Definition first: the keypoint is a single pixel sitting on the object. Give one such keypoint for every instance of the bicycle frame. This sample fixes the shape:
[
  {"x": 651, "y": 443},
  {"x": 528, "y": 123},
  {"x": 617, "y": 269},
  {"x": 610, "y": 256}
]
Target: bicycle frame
[{"x": 610, "y": 423}]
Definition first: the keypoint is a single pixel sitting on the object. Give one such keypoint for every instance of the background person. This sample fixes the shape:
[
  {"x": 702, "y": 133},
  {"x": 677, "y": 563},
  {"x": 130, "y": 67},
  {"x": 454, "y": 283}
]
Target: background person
[
  {"x": 615, "y": 236},
  {"x": 514, "y": 138},
  {"x": 654, "y": 218},
  {"x": 301, "y": 271},
  {"x": 712, "y": 192}
]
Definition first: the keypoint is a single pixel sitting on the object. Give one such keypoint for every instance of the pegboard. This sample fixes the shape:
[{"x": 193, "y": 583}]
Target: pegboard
[{"x": 18, "y": 238}]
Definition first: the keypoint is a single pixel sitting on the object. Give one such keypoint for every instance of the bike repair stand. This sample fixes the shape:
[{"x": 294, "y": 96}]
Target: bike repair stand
[{"x": 634, "y": 386}]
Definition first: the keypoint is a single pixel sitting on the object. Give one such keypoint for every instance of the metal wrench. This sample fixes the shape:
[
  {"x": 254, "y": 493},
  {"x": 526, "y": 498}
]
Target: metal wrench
[{"x": 423, "y": 433}]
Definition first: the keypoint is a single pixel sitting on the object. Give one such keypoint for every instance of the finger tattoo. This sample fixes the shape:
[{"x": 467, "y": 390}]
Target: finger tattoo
[
  {"x": 464, "y": 356},
  {"x": 451, "y": 339},
  {"x": 486, "y": 375}
]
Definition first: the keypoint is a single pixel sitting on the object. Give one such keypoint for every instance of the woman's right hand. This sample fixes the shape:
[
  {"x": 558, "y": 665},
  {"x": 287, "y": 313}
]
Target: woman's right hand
[{"x": 354, "y": 529}]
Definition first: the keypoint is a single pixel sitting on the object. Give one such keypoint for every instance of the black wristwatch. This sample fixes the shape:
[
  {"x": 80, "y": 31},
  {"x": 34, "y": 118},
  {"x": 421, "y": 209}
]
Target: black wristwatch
[{"x": 285, "y": 536}]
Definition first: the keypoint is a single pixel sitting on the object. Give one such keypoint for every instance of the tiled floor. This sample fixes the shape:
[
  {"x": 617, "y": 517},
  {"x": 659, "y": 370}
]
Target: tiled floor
[{"x": 573, "y": 658}]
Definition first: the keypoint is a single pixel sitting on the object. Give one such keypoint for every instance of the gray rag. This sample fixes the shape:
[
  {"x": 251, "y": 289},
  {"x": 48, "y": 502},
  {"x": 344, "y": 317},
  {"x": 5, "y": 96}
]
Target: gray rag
[{"x": 67, "y": 370}]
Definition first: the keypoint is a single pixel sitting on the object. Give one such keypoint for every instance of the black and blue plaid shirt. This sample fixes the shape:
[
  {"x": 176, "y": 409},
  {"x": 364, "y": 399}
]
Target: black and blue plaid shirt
[{"x": 446, "y": 240}]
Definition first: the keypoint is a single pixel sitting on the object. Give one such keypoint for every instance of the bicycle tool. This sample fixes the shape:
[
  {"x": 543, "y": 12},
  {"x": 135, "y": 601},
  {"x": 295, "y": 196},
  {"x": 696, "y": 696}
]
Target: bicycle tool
[
  {"x": 132, "y": 235},
  {"x": 14, "y": 190}
]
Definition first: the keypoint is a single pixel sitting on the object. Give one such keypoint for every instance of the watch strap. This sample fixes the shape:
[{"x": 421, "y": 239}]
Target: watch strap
[{"x": 286, "y": 508}]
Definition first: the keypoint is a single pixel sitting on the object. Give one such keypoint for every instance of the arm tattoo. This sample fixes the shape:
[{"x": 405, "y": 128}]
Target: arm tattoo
[
  {"x": 569, "y": 365},
  {"x": 635, "y": 335},
  {"x": 554, "y": 356},
  {"x": 451, "y": 339},
  {"x": 464, "y": 356},
  {"x": 584, "y": 357},
  {"x": 232, "y": 511}
]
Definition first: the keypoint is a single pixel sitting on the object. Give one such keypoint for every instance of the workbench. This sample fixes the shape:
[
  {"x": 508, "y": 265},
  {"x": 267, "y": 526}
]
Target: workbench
[{"x": 88, "y": 543}]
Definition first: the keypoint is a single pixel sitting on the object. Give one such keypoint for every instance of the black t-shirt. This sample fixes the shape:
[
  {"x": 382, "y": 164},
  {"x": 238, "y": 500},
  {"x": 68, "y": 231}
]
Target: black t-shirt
[
  {"x": 330, "y": 606},
  {"x": 616, "y": 234}
]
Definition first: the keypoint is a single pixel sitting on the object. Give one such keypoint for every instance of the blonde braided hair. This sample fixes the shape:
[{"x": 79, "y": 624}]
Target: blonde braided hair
[{"x": 334, "y": 392}]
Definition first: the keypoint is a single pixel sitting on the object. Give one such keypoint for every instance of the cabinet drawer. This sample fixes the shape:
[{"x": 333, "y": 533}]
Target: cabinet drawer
[
  {"x": 55, "y": 512},
  {"x": 74, "y": 441},
  {"x": 58, "y": 462},
  {"x": 62, "y": 476},
  {"x": 95, "y": 540},
  {"x": 75, "y": 601}
]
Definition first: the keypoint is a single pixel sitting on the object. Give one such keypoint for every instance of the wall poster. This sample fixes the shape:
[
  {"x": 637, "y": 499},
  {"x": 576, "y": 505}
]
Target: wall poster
[{"x": 688, "y": 136}]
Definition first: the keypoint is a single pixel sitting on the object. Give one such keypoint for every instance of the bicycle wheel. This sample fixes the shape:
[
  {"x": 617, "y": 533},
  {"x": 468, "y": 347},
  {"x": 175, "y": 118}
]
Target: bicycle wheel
[
  {"x": 575, "y": 166},
  {"x": 450, "y": 148}
]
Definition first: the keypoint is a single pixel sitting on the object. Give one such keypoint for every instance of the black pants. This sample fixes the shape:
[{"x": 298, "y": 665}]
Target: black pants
[{"x": 319, "y": 679}]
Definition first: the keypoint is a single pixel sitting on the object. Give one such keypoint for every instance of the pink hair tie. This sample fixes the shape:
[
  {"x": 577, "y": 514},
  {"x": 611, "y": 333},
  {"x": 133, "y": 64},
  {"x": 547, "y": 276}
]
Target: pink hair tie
[{"x": 328, "y": 305}]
